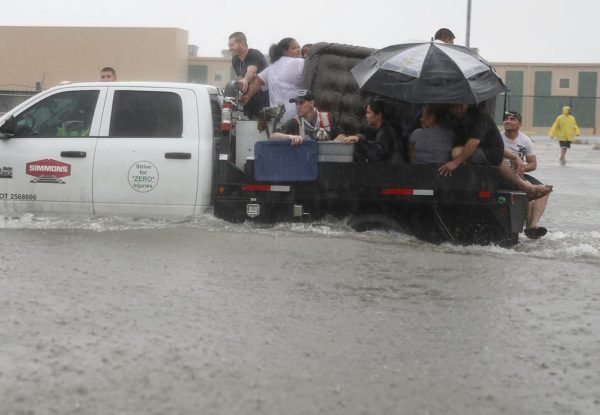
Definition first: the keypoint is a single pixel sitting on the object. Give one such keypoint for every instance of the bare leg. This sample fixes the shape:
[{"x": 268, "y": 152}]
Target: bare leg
[
  {"x": 533, "y": 191},
  {"x": 563, "y": 153},
  {"x": 528, "y": 215},
  {"x": 535, "y": 210}
]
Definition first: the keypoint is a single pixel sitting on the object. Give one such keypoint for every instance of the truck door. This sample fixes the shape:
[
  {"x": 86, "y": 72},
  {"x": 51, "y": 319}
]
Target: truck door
[
  {"x": 146, "y": 160},
  {"x": 46, "y": 166}
]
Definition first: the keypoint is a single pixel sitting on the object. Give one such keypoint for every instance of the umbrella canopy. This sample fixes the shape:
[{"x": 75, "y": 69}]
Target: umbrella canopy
[{"x": 429, "y": 72}]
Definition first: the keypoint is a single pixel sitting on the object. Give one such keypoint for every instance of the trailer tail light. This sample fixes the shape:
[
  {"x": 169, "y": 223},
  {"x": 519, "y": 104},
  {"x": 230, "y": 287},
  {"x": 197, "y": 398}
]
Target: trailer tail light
[
  {"x": 405, "y": 191},
  {"x": 226, "y": 117},
  {"x": 256, "y": 187},
  {"x": 265, "y": 188}
]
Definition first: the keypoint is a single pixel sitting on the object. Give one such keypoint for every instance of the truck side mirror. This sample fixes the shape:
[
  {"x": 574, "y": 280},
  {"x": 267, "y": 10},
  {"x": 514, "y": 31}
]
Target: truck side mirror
[{"x": 7, "y": 130}]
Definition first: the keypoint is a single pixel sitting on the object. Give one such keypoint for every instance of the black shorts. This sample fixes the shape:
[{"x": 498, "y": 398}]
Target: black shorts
[
  {"x": 482, "y": 158},
  {"x": 564, "y": 144}
]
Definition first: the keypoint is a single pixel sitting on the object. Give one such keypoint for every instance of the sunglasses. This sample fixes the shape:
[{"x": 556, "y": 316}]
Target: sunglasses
[{"x": 515, "y": 115}]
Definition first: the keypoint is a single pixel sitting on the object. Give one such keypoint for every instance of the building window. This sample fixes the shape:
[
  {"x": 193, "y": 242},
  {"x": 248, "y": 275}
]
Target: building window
[
  {"x": 564, "y": 83},
  {"x": 198, "y": 74},
  {"x": 219, "y": 77}
]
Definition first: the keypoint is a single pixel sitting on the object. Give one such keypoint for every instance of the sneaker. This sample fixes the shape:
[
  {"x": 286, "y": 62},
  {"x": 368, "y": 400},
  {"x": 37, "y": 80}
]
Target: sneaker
[
  {"x": 535, "y": 232},
  {"x": 563, "y": 162}
]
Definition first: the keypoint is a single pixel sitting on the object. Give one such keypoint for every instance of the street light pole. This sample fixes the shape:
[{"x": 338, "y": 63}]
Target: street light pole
[{"x": 468, "y": 36}]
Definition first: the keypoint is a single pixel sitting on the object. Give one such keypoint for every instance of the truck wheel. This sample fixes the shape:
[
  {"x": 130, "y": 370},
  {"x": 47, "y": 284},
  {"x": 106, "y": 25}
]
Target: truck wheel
[{"x": 362, "y": 223}]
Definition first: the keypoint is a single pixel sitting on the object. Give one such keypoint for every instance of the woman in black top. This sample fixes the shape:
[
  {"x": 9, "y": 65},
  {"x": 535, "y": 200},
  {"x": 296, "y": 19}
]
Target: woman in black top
[{"x": 376, "y": 141}]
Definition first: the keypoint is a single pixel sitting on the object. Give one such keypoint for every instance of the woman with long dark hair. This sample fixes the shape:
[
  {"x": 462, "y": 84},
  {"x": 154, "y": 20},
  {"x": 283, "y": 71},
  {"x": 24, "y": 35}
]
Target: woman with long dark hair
[{"x": 375, "y": 142}]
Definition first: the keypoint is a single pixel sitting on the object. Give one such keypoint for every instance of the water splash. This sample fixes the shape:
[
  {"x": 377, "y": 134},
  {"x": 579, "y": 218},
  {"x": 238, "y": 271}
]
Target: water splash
[
  {"x": 555, "y": 245},
  {"x": 560, "y": 245}
]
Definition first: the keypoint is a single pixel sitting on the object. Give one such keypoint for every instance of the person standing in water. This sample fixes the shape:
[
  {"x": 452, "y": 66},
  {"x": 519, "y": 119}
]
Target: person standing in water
[{"x": 564, "y": 128}]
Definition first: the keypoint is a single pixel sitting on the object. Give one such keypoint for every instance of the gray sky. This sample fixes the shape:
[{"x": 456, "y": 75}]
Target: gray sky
[{"x": 504, "y": 31}]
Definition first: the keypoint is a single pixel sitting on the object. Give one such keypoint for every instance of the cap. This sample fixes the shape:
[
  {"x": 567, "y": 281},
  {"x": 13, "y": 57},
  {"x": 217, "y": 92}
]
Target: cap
[
  {"x": 513, "y": 114},
  {"x": 303, "y": 95}
]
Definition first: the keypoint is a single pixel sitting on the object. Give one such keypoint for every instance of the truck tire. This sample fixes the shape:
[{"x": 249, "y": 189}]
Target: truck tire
[{"x": 368, "y": 222}]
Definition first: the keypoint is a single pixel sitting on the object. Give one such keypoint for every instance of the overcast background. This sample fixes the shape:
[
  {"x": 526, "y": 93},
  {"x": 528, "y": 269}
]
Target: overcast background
[{"x": 504, "y": 31}]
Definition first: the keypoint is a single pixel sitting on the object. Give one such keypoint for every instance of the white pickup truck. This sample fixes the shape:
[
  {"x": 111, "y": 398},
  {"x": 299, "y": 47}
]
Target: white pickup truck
[
  {"x": 136, "y": 149},
  {"x": 157, "y": 149}
]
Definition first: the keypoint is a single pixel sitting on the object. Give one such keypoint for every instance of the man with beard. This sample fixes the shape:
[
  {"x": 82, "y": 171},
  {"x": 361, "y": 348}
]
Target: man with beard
[{"x": 518, "y": 150}]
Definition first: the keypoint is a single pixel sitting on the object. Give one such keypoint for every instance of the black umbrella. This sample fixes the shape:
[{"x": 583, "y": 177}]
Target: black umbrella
[{"x": 429, "y": 72}]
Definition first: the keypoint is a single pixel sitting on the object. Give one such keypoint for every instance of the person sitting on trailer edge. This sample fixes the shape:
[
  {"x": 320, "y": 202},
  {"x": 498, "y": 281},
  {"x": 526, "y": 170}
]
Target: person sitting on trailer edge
[
  {"x": 482, "y": 145},
  {"x": 309, "y": 123},
  {"x": 519, "y": 153}
]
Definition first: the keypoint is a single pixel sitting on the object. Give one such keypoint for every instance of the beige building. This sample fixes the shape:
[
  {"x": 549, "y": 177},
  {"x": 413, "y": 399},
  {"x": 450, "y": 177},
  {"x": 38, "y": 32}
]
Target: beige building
[
  {"x": 41, "y": 57},
  {"x": 35, "y": 58},
  {"x": 212, "y": 71}
]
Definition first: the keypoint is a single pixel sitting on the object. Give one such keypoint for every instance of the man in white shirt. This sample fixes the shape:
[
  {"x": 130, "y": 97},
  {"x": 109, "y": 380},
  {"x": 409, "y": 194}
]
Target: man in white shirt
[{"x": 519, "y": 153}]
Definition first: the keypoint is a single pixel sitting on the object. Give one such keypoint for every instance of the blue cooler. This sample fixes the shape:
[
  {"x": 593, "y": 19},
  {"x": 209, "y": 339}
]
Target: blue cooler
[{"x": 279, "y": 161}]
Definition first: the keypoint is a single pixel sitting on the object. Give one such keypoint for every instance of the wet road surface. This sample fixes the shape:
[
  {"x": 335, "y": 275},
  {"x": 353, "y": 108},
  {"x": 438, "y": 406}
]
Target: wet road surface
[{"x": 180, "y": 321}]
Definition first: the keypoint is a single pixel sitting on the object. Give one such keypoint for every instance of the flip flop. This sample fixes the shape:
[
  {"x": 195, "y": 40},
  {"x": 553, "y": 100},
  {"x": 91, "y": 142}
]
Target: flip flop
[{"x": 535, "y": 232}]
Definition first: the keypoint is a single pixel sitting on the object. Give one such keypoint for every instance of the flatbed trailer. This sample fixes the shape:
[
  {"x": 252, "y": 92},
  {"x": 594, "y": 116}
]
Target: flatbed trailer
[{"x": 467, "y": 207}]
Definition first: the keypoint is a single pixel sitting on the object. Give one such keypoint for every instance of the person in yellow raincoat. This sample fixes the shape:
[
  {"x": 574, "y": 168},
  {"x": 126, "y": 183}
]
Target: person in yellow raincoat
[{"x": 564, "y": 128}]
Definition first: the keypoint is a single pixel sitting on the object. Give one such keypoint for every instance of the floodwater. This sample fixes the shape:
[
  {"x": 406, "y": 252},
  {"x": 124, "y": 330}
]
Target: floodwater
[{"x": 114, "y": 315}]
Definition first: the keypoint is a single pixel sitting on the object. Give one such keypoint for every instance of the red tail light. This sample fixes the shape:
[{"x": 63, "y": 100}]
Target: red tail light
[
  {"x": 405, "y": 191},
  {"x": 256, "y": 187},
  {"x": 398, "y": 191},
  {"x": 226, "y": 117}
]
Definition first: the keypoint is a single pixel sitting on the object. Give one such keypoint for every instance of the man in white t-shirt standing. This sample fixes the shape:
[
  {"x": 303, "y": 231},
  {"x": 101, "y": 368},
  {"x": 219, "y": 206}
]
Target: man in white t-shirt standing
[{"x": 518, "y": 151}]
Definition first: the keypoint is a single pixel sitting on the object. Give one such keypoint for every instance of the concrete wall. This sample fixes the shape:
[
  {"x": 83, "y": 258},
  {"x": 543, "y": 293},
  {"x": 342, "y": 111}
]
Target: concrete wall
[{"x": 53, "y": 54}]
